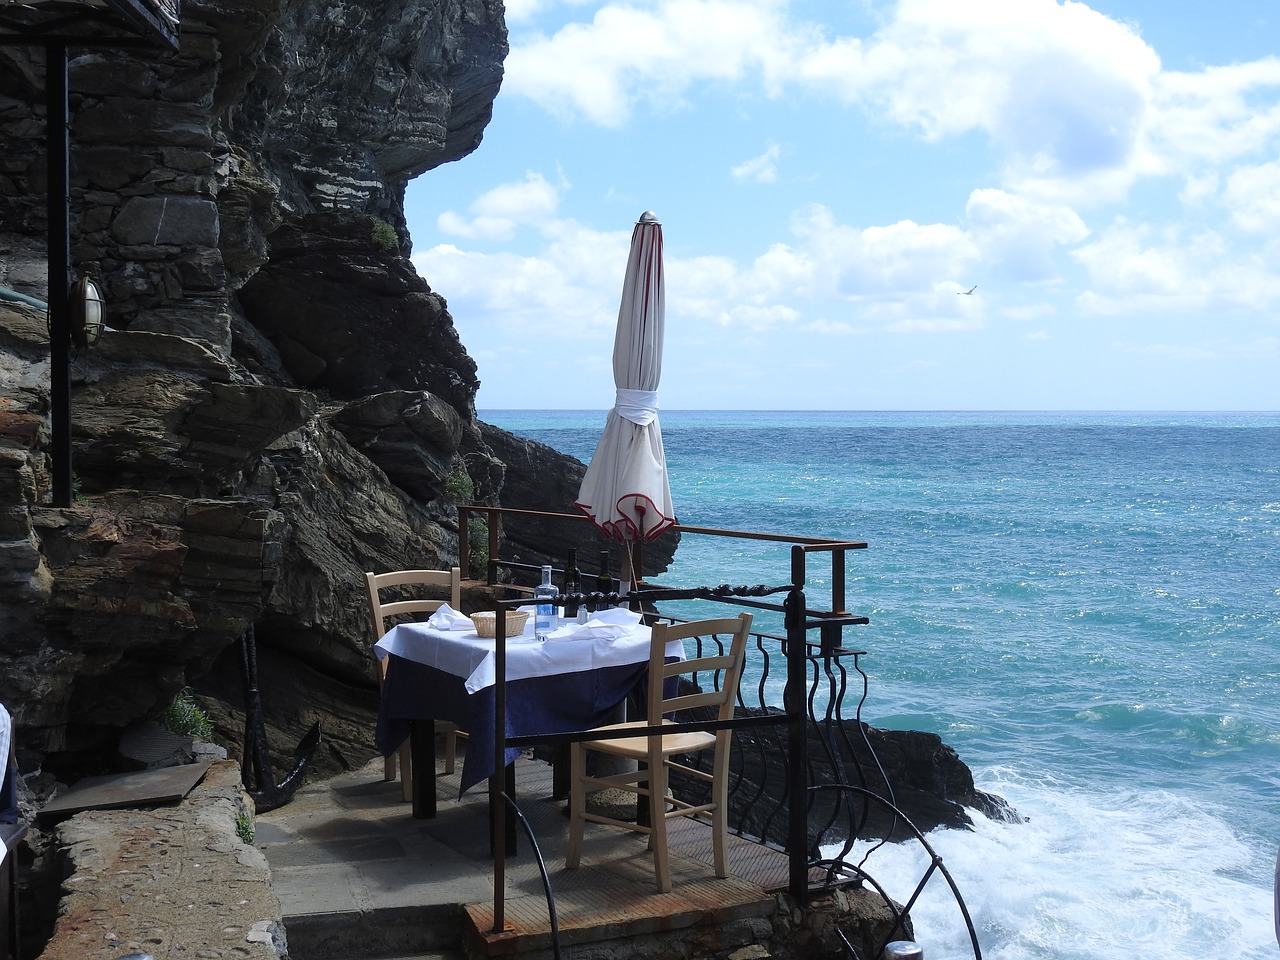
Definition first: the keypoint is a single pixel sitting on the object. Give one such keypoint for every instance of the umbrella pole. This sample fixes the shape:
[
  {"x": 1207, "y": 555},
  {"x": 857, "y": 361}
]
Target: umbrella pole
[
  {"x": 632, "y": 561},
  {"x": 625, "y": 576}
]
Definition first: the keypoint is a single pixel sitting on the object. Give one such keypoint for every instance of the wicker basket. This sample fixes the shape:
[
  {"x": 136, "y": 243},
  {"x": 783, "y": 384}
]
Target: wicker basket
[{"x": 486, "y": 622}]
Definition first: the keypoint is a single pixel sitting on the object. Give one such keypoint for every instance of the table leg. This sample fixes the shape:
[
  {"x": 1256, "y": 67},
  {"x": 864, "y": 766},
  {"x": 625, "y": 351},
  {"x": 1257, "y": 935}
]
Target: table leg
[
  {"x": 422, "y": 744},
  {"x": 560, "y": 780}
]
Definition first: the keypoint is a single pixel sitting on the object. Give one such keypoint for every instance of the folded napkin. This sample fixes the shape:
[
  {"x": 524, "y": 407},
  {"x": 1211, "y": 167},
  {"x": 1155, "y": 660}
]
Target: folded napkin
[
  {"x": 608, "y": 624},
  {"x": 447, "y": 618}
]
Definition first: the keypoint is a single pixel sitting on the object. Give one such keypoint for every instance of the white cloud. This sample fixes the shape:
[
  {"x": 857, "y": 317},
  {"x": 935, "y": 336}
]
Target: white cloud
[
  {"x": 761, "y": 169},
  {"x": 1215, "y": 115},
  {"x": 900, "y": 276},
  {"x": 519, "y": 11},
  {"x": 1060, "y": 88},
  {"x": 1254, "y": 195},
  {"x": 570, "y": 289},
  {"x": 627, "y": 54},
  {"x": 498, "y": 213},
  {"x": 853, "y": 262},
  {"x": 1136, "y": 269},
  {"x": 1063, "y": 90},
  {"x": 1127, "y": 264},
  {"x": 1018, "y": 237},
  {"x": 1199, "y": 189}
]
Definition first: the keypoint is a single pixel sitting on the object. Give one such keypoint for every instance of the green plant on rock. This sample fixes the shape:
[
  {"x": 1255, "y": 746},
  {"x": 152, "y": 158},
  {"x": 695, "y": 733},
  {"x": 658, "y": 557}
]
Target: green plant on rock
[
  {"x": 384, "y": 236},
  {"x": 244, "y": 827},
  {"x": 478, "y": 537},
  {"x": 186, "y": 718},
  {"x": 458, "y": 486}
]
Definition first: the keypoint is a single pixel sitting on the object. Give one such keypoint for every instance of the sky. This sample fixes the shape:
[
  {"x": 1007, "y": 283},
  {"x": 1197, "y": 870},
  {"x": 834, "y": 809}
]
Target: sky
[{"x": 833, "y": 175}]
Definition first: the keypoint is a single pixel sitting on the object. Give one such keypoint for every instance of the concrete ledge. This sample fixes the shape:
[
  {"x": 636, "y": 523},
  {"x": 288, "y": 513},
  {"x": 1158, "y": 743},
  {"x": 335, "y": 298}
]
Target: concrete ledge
[{"x": 175, "y": 880}]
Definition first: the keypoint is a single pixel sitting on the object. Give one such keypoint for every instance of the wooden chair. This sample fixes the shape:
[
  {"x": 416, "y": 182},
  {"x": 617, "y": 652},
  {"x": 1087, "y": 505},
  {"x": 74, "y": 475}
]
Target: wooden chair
[
  {"x": 413, "y": 583},
  {"x": 660, "y": 754}
]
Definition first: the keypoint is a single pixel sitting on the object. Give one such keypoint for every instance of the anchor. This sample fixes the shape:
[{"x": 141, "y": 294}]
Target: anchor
[{"x": 266, "y": 794}]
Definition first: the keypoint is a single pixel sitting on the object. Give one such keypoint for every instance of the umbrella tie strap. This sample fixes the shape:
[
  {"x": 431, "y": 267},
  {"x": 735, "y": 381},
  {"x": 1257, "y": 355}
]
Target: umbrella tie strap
[{"x": 638, "y": 406}]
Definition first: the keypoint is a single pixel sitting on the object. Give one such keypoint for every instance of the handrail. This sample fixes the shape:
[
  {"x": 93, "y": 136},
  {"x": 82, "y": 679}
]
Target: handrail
[{"x": 835, "y": 547}]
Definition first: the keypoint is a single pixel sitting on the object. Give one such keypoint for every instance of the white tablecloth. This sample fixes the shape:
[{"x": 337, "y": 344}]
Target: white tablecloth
[{"x": 464, "y": 654}]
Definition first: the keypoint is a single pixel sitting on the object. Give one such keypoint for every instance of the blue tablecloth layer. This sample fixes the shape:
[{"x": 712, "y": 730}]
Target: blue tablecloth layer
[{"x": 535, "y": 705}]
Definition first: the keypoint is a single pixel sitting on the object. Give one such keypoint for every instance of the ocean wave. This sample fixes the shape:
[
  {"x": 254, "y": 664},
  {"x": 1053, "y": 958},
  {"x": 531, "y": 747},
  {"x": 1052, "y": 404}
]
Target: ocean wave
[{"x": 1093, "y": 875}]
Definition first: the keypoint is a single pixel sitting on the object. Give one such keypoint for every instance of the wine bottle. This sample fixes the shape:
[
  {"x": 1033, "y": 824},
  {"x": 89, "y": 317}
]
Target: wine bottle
[
  {"x": 544, "y": 599},
  {"x": 604, "y": 582},
  {"x": 572, "y": 585}
]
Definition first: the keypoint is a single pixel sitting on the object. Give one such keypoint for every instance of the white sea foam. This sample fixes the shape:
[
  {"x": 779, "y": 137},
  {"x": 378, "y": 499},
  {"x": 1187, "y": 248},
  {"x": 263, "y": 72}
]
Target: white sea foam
[{"x": 1092, "y": 876}]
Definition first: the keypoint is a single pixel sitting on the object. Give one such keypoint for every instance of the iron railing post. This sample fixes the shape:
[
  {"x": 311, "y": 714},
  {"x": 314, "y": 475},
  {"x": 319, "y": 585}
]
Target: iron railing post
[
  {"x": 492, "y": 520},
  {"x": 464, "y": 540},
  {"x": 497, "y": 806},
  {"x": 793, "y": 698}
]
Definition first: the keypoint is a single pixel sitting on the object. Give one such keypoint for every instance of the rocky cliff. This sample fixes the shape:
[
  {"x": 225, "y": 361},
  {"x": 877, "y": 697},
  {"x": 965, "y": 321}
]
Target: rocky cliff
[
  {"x": 279, "y": 399},
  {"x": 280, "y": 402}
]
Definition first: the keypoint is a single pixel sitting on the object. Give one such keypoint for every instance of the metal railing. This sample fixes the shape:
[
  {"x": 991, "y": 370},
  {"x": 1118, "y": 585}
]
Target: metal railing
[{"x": 803, "y": 774}]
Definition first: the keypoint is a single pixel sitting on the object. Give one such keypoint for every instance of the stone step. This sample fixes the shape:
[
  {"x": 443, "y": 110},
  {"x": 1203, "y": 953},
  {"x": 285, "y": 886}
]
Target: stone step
[{"x": 399, "y": 933}]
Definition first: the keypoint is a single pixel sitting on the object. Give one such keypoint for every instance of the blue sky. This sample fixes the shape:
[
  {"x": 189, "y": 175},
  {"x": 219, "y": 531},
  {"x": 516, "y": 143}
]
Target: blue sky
[{"x": 831, "y": 173}]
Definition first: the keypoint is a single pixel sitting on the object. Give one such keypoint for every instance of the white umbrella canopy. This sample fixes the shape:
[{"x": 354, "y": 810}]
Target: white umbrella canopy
[{"x": 625, "y": 490}]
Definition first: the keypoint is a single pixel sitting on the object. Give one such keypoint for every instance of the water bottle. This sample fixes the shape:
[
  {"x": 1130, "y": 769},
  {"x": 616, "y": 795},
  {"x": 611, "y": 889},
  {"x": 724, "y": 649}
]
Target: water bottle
[{"x": 544, "y": 599}]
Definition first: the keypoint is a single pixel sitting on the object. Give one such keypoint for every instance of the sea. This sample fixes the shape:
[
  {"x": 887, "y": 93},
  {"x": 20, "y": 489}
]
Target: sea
[{"x": 1085, "y": 606}]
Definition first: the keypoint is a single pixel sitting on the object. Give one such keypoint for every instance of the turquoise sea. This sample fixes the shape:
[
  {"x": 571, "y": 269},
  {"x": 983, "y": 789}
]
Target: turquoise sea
[{"x": 1085, "y": 606}]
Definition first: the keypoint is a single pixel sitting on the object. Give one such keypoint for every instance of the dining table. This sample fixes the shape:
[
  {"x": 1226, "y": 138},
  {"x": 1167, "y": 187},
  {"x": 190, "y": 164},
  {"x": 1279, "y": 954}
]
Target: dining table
[{"x": 442, "y": 669}]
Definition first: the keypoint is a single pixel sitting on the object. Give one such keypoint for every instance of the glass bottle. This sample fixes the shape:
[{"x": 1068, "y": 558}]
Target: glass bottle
[
  {"x": 544, "y": 599},
  {"x": 604, "y": 582},
  {"x": 572, "y": 585}
]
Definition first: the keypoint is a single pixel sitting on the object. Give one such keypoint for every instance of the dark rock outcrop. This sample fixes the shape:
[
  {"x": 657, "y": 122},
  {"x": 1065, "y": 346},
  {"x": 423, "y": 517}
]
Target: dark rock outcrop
[
  {"x": 280, "y": 397},
  {"x": 532, "y": 540}
]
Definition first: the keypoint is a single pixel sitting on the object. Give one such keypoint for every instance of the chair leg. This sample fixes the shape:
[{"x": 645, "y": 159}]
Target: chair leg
[
  {"x": 577, "y": 805},
  {"x": 450, "y": 746},
  {"x": 658, "y": 824},
  {"x": 720, "y": 840},
  {"x": 389, "y": 768},
  {"x": 720, "y": 813},
  {"x": 405, "y": 754}
]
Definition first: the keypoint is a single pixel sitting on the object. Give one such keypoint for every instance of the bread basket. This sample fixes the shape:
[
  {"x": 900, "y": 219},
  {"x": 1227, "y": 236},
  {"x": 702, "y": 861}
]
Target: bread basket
[{"x": 486, "y": 622}]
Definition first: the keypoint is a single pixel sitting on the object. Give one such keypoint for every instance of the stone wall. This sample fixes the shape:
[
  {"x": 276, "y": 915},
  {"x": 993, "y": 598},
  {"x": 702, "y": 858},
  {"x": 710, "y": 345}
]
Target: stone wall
[{"x": 173, "y": 880}]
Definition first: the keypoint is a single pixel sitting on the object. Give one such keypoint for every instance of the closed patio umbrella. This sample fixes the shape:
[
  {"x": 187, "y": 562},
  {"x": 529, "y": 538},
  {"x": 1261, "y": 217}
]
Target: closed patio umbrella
[{"x": 625, "y": 490}]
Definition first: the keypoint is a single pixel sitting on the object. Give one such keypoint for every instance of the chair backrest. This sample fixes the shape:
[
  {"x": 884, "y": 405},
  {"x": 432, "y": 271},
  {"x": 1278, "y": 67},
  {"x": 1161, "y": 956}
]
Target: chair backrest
[
  {"x": 416, "y": 591},
  {"x": 724, "y": 665}
]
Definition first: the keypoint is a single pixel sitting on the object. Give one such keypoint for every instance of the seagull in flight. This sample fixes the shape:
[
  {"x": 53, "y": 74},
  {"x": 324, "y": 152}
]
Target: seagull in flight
[{"x": 967, "y": 293}]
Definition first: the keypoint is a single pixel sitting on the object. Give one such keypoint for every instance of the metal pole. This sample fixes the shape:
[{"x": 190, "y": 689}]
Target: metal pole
[
  {"x": 498, "y": 806},
  {"x": 793, "y": 698},
  {"x": 57, "y": 161}
]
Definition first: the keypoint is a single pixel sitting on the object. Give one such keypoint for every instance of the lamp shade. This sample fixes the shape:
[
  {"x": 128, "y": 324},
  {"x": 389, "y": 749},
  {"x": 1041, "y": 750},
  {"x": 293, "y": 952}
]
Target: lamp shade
[{"x": 88, "y": 312}]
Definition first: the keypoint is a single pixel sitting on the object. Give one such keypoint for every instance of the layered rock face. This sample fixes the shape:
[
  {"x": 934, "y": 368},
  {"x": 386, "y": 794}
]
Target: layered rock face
[
  {"x": 280, "y": 404},
  {"x": 279, "y": 399}
]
